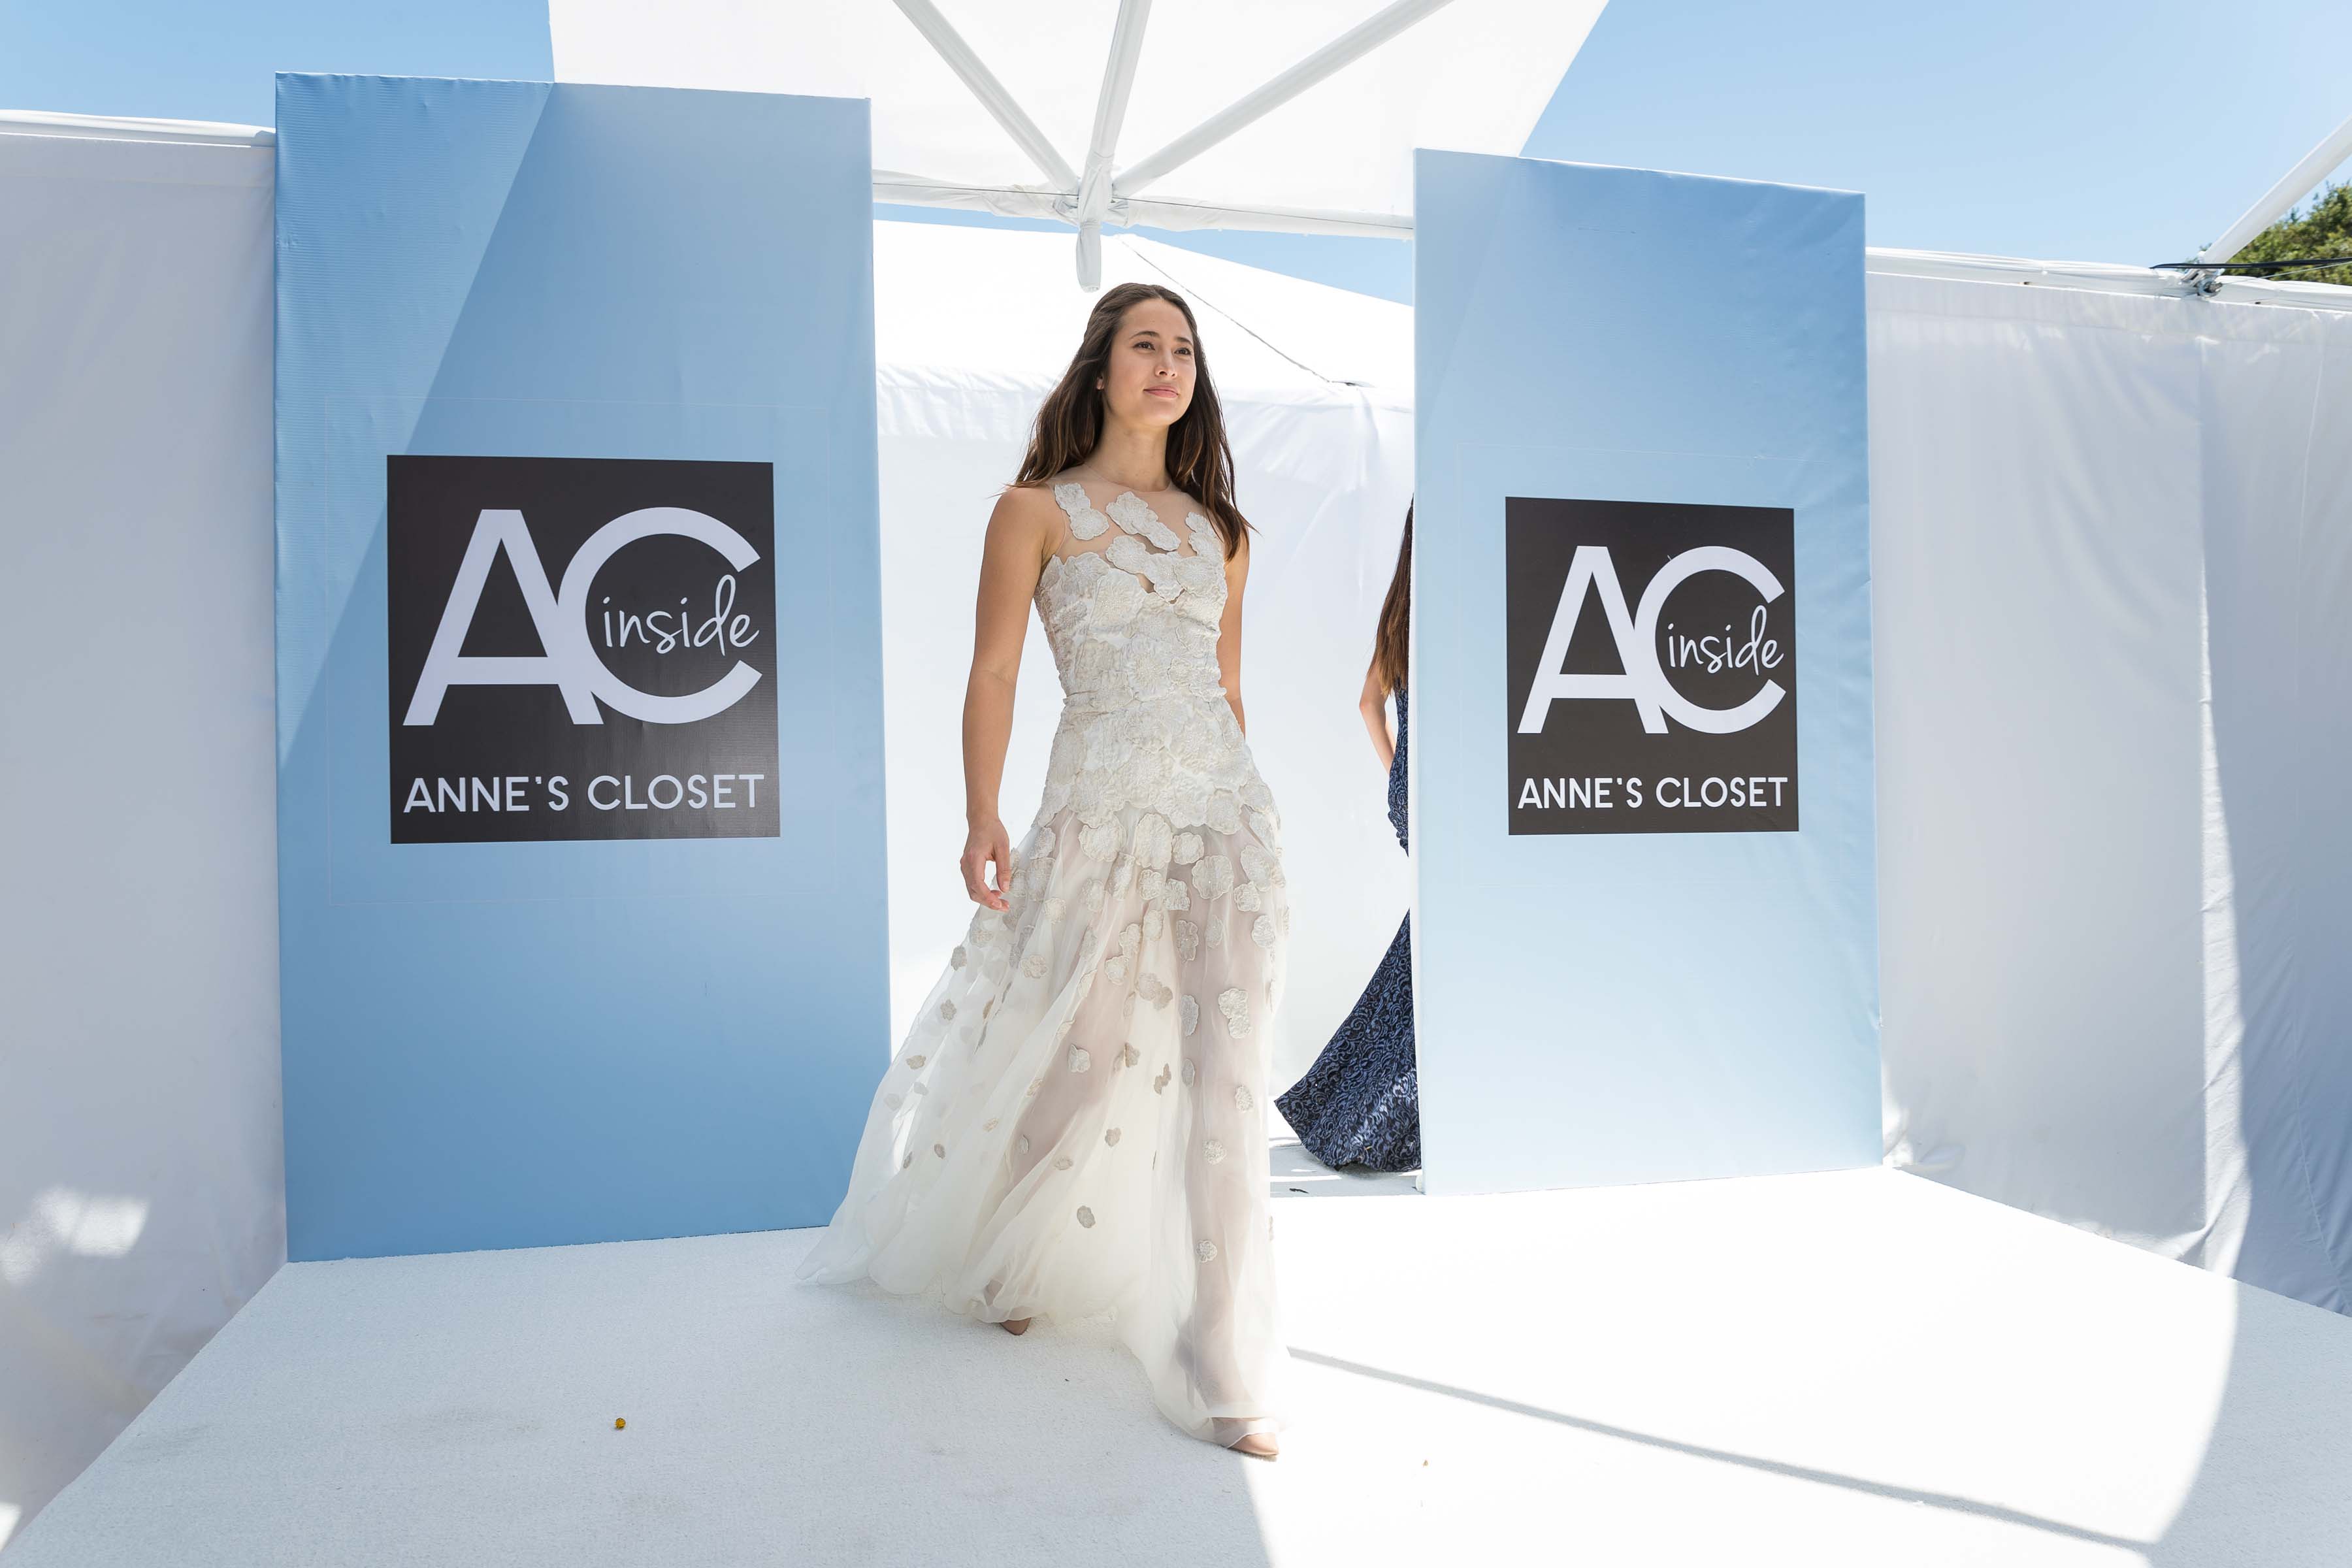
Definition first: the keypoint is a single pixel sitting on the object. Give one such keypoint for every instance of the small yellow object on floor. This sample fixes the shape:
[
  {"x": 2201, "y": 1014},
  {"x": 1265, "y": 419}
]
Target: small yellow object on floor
[{"x": 619, "y": 1422}]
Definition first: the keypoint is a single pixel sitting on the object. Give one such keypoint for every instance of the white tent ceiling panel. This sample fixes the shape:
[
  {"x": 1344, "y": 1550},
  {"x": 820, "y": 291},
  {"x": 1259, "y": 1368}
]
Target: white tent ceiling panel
[{"x": 1472, "y": 75}]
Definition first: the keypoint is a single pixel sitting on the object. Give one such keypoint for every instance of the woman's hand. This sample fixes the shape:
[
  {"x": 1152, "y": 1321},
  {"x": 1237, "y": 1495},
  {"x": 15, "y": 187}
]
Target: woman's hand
[{"x": 987, "y": 842}]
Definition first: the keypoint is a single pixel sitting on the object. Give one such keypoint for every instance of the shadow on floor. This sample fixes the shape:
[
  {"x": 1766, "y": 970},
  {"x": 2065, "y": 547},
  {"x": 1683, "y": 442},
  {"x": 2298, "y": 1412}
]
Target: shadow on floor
[{"x": 1722, "y": 1455}]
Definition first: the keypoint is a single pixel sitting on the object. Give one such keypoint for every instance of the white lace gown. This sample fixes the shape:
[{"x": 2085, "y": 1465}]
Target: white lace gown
[{"x": 1076, "y": 1123}]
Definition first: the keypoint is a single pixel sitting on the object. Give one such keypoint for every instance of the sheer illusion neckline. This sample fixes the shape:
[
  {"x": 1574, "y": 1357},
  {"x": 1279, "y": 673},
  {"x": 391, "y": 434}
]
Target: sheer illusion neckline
[
  {"x": 1191, "y": 515},
  {"x": 1135, "y": 516}
]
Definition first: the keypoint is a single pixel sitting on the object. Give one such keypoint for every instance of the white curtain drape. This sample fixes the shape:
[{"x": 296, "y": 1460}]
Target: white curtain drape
[
  {"x": 141, "y": 1159},
  {"x": 2111, "y": 548}
]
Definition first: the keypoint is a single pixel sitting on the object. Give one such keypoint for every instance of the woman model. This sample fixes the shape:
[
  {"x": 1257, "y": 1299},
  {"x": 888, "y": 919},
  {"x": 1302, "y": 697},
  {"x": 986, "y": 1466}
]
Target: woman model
[
  {"x": 1076, "y": 1123},
  {"x": 1360, "y": 1104}
]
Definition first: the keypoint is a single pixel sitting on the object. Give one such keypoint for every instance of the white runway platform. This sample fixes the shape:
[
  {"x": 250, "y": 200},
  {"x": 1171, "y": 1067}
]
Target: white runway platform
[{"x": 1860, "y": 1367}]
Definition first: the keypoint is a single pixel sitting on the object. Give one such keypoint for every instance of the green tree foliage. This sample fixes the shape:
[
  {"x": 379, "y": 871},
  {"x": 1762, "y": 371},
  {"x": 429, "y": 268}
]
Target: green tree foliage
[{"x": 2322, "y": 228}]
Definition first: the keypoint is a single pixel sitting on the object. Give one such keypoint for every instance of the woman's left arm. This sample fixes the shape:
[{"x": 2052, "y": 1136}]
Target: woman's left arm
[
  {"x": 1373, "y": 704},
  {"x": 1229, "y": 631}
]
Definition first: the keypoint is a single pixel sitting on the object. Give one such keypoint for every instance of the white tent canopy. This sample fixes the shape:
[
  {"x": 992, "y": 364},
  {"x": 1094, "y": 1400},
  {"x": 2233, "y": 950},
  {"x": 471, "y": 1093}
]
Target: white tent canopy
[{"x": 1040, "y": 109}]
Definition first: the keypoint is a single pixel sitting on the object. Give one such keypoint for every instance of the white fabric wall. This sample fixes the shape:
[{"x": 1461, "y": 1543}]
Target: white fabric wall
[
  {"x": 1316, "y": 384},
  {"x": 140, "y": 1169},
  {"x": 2112, "y": 545}
]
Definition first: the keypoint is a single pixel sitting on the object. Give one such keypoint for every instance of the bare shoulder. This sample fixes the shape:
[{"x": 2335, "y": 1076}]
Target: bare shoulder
[
  {"x": 1237, "y": 564},
  {"x": 1027, "y": 514},
  {"x": 1034, "y": 499}
]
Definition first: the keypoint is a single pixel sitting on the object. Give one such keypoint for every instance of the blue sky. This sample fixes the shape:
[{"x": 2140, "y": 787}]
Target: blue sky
[{"x": 2088, "y": 130}]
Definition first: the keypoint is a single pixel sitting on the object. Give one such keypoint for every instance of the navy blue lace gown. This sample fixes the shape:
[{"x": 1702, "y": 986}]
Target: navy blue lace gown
[{"x": 1360, "y": 1104}]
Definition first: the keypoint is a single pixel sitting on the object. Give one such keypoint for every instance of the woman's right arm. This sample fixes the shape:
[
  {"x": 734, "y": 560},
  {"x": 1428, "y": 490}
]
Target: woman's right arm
[
  {"x": 1012, "y": 557},
  {"x": 1374, "y": 706}
]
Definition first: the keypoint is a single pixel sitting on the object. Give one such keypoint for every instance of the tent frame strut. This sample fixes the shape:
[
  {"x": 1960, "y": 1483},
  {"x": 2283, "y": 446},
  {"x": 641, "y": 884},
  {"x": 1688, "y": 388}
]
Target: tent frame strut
[
  {"x": 941, "y": 36},
  {"x": 1102, "y": 145},
  {"x": 2275, "y": 204},
  {"x": 1089, "y": 199},
  {"x": 1344, "y": 50}
]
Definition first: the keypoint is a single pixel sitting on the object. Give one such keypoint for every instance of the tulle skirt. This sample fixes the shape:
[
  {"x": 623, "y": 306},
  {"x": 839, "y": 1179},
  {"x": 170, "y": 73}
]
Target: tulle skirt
[{"x": 1076, "y": 1123}]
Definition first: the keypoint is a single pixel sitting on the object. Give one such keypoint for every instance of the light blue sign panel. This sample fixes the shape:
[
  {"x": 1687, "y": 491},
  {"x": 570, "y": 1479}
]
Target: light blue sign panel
[
  {"x": 572, "y": 1029},
  {"x": 1643, "y": 936}
]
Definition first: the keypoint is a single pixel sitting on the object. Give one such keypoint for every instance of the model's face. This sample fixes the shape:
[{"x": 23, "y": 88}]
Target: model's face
[{"x": 1148, "y": 380}]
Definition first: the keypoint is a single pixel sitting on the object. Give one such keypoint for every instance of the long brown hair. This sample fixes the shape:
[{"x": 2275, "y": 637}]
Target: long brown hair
[
  {"x": 1070, "y": 421},
  {"x": 1396, "y": 614}
]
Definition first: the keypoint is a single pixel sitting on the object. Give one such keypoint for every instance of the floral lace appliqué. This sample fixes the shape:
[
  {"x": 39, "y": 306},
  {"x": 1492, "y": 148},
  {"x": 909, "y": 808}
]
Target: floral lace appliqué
[
  {"x": 1135, "y": 515},
  {"x": 1086, "y": 522},
  {"x": 1234, "y": 1003}
]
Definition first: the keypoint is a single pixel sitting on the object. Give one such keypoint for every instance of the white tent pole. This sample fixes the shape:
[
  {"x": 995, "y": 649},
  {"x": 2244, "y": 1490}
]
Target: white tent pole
[
  {"x": 118, "y": 128},
  {"x": 1349, "y": 47},
  {"x": 990, "y": 93},
  {"x": 2280, "y": 199},
  {"x": 1110, "y": 113}
]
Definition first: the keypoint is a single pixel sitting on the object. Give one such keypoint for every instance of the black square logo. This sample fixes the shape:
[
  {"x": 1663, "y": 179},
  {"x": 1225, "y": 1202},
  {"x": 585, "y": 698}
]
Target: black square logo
[
  {"x": 581, "y": 647},
  {"x": 1653, "y": 666}
]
